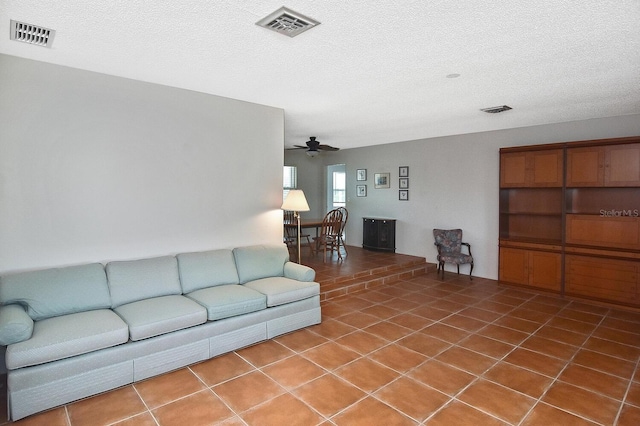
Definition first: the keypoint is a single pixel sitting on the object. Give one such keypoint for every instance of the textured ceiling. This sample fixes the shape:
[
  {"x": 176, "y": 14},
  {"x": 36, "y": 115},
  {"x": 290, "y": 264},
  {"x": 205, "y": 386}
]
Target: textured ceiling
[{"x": 373, "y": 71}]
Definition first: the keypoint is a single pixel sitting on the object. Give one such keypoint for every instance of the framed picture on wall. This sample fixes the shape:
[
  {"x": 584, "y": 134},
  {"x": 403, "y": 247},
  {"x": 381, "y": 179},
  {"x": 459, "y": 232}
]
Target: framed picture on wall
[
  {"x": 381, "y": 180},
  {"x": 403, "y": 195},
  {"x": 404, "y": 183},
  {"x": 361, "y": 190},
  {"x": 361, "y": 174},
  {"x": 403, "y": 171}
]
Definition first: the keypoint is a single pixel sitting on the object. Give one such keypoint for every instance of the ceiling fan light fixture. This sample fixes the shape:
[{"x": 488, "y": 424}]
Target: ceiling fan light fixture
[{"x": 312, "y": 153}]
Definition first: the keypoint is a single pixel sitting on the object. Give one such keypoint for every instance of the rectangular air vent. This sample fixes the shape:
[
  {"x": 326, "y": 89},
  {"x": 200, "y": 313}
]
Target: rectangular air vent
[
  {"x": 286, "y": 21},
  {"x": 495, "y": 110},
  {"x": 32, "y": 34}
]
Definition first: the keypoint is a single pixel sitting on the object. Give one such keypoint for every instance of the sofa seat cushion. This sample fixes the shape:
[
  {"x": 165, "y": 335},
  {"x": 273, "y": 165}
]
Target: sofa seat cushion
[
  {"x": 225, "y": 301},
  {"x": 66, "y": 336},
  {"x": 159, "y": 315},
  {"x": 281, "y": 290}
]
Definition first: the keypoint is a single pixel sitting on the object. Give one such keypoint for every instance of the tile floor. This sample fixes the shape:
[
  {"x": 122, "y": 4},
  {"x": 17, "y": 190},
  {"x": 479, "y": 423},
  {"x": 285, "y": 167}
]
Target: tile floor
[{"x": 420, "y": 351}]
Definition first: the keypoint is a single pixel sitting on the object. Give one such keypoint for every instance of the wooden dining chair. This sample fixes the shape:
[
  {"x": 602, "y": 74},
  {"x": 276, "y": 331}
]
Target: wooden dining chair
[
  {"x": 329, "y": 237},
  {"x": 290, "y": 237},
  {"x": 345, "y": 217}
]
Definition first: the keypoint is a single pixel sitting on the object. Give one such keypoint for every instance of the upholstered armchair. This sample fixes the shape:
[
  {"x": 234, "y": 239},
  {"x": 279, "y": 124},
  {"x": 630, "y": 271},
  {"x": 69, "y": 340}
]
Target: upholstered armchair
[{"x": 449, "y": 244}]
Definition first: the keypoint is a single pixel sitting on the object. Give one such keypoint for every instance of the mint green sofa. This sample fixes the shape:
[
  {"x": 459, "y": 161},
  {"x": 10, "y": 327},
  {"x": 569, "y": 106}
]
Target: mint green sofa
[{"x": 77, "y": 331}]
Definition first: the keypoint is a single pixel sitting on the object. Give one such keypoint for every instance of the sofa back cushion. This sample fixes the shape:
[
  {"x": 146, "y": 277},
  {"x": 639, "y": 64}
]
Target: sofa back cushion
[
  {"x": 133, "y": 280},
  {"x": 57, "y": 291},
  {"x": 206, "y": 269},
  {"x": 260, "y": 261}
]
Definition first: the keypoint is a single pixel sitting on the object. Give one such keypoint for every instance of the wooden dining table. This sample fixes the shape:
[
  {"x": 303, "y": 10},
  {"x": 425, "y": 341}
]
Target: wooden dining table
[{"x": 306, "y": 223}]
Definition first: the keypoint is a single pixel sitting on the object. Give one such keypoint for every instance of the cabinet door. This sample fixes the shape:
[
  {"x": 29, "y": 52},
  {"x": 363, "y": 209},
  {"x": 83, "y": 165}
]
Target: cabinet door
[
  {"x": 585, "y": 166},
  {"x": 545, "y": 270},
  {"x": 514, "y": 265},
  {"x": 531, "y": 169},
  {"x": 513, "y": 169},
  {"x": 608, "y": 279},
  {"x": 545, "y": 168},
  {"x": 622, "y": 165}
]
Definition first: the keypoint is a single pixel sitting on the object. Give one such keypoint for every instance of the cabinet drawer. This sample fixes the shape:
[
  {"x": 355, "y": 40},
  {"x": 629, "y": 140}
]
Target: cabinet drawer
[
  {"x": 609, "y": 279},
  {"x": 603, "y": 231}
]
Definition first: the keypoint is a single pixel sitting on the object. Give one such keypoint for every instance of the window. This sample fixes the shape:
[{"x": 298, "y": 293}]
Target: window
[
  {"x": 290, "y": 180},
  {"x": 339, "y": 189}
]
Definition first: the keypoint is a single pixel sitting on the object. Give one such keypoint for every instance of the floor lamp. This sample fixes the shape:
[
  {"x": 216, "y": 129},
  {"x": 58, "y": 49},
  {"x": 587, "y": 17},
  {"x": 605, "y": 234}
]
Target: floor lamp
[{"x": 296, "y": 202}]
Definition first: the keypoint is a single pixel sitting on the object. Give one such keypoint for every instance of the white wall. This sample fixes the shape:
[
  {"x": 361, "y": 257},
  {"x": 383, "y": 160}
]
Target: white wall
[
  {"x": 453, "y": 182},
  {"x": 96, "y": 168}
]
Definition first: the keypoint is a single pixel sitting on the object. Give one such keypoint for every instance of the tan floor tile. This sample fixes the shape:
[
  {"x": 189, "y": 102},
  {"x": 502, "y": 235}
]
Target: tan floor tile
[
  {"x": 265, "y": 353},
  {"x": 371, "y": 412},
  {"x": 426, "y": 345},
  {"x": 572, "y": 325},
  {"x": 442, "y": 377},
  {"x": 411, "y": 321},
  {"x": 535, "y": 361},
  {"x": 328, "y": 394},
  {"x": 54, "y": 417},
  {"x": 293, "y": 372},
  {"x": 381, "y": 312},
  {"x": 542, "y": 307},
  {"x": 282, "y": 410},
  {"x": 544, "y": 414},
  {"x": 480, "y": 314},
  {"x": 497, "y": 400},
  {"x": 604, "y": 363},
  {"x": 334, "y": 310},
  {"x": 629, "y": 416},
  {"x": 412, "y": 398},
  {"x": 201, "y": 408},
  {"x": 486, "y": 346},
  {"x": 431, "y": 313},
  {"x": 445, "y": 332},
  {"x": 516, "y": 323},
  {"x": 168, "y": 387},
  {"x": 144, "y": 419},
  {"x": 620, "y": 324},
  {"x": 247, "y": 391},
  {"x": 300, "y": 340},
  {"x": 519, "y": 379},
  {"x": 366, "y": 374},
  {"x": 503, "y": 334},
  {"x": 633, "y": 397},
  {"x": 580, "y": 316},
  {"x": 492, "y": 306},
  {"x": 402, "y": 304},
  {"x": 332, "y": 329},
  {"x": 354, "y": 302},
  {"x": 614, "y": 349},
  {"x": 122, "y": 403},
  {"x": 464, "y": 323},
  {"x": 561, "y": 335},
  {"x": 362, "y": 342},
  {"x": 460, "y": 414},
  {"x": 549, "y": 347},
  {"x": 398, "y": 357},
  {"x": 466, "y": 360},
  {"x": 219, "y": 369},
  {"x": 582, "y": 402},
  {"x": 388, "y": 330},
  {"x": 596, "y": 381},
  {"x": 530, "y": 315},
  {"x": 358, "y": 319},
  {"x": 618, "y": 336},
  {"x": 331, "y": 355}
]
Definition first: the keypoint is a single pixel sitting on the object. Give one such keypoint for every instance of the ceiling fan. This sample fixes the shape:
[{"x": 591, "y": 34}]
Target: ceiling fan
[{"x": 314, "y": 147}]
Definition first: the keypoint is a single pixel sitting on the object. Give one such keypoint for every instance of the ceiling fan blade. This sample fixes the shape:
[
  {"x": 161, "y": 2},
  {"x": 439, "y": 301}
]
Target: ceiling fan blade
[
  {"x": 327, "y": 148},
  {"x": 298, "y": 147}
]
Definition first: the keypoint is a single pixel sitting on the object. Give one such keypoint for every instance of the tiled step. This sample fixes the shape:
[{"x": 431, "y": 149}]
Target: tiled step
[{"x": 339, "y": 286}]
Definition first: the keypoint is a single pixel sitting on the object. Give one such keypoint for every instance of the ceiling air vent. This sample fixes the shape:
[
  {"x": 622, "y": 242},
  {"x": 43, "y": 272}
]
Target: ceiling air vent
[
  {"x": 286, "y": 21},
  {"x": 31, "y": 34},
  {"x": 495, "y": 110}
]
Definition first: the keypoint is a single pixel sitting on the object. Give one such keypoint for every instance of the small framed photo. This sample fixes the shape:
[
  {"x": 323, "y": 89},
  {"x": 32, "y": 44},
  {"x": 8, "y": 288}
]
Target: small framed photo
[
  {"x": 403, "y": 195},
  {"x": 381, "y": 180},
  {"x": 404, "y": 183},
  {"x": 361, "y": 174},
  {"x": 403, "y": 171},
  {"x": 361, "y": 190}
]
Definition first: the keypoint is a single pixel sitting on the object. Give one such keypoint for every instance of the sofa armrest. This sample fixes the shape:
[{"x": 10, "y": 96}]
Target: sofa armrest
[
  {"x": 299, "y": 272},
  {"x": 15, "y": 324}
]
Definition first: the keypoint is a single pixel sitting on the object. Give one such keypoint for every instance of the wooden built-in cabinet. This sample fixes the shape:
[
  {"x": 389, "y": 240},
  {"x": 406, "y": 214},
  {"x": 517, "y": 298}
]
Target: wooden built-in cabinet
[{"x": 574, "y": 230}]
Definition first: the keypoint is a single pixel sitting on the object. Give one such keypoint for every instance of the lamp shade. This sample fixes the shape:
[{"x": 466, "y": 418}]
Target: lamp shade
[{"x": 295, "y": 201}]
